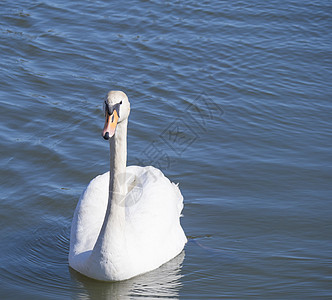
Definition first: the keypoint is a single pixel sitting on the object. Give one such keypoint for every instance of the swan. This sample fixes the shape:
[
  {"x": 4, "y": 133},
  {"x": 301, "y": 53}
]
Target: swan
[{"x": 127, "y": 221}]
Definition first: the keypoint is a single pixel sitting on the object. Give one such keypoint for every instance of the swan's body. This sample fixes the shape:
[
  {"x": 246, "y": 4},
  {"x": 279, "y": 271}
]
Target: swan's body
[{"x": 127, "y": 221}]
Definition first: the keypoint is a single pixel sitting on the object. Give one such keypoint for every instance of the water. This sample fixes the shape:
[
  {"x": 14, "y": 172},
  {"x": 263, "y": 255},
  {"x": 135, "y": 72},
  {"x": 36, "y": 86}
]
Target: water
[{"x": 231, "y": 99}]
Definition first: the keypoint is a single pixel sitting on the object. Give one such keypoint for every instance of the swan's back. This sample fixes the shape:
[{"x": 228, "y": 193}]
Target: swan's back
[{"x": 153, "y": 233}]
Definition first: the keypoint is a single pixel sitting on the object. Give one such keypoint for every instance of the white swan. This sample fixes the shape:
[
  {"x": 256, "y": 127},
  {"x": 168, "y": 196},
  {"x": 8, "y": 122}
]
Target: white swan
[{"x": 127, "y": 221}]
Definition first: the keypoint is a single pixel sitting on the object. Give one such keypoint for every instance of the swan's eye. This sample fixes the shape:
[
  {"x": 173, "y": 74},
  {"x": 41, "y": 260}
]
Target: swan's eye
[
  {"x": 110, "y": 109},
  {"x": 107, "y": 108},
  {"x": 121, "y": 102}
]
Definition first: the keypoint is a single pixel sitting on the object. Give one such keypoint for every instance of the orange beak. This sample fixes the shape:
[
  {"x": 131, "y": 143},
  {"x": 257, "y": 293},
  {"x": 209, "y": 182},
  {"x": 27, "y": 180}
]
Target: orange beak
[{"x": 110, "y": 124}]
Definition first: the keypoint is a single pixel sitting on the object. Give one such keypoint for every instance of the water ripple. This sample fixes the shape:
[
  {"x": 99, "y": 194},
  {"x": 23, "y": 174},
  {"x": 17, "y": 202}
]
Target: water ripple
[{"x": 256, "y": 180}]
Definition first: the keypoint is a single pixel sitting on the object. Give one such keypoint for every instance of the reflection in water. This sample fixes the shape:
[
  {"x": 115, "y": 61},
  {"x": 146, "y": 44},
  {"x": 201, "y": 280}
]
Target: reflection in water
[{"x": 162, "y": 282}]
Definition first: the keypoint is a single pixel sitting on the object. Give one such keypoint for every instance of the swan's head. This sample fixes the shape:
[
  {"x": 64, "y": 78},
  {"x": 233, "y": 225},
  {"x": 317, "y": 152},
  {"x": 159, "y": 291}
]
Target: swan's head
[{"x": 117, "y": 109}]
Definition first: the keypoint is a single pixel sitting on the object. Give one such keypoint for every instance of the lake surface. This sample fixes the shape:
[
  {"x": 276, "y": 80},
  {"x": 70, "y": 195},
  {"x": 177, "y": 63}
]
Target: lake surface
[{"x": 232, "y": 99}]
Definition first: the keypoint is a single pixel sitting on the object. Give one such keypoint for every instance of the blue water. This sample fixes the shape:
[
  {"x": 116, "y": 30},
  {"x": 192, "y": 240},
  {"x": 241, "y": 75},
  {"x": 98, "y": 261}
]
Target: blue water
[{"x": 230, "y": 99}]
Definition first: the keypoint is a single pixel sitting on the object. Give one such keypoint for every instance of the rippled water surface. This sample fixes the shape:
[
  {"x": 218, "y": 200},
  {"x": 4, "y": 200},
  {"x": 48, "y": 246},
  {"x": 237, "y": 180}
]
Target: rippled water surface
[{"x": 232, "y": 99}]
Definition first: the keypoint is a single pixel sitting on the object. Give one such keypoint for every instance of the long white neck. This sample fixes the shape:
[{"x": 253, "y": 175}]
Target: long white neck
[
  {"x": 111, "y": 234},
  {"x": 118, "y": 162}
]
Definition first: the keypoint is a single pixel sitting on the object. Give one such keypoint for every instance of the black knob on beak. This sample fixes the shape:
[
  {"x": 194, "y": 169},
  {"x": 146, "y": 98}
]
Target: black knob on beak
[{"x": 106, "y": 136}]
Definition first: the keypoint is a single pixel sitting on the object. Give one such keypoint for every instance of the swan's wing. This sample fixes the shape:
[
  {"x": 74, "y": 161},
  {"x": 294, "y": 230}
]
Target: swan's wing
[
  {"x": 89, "y": 215},
  {"x": 153, "y": 217},
  {"x": 152, "y": 192}
]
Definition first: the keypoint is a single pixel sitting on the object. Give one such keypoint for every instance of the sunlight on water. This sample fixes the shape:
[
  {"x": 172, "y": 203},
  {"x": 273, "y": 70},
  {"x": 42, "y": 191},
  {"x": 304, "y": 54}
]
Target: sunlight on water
[{"x": 230, "y": 99}]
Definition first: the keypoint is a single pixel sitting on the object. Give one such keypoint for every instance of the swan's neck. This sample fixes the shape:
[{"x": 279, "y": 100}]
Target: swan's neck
[
  {"x": 114, "y": 223},
  {"x": 118, "y": 162}
]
